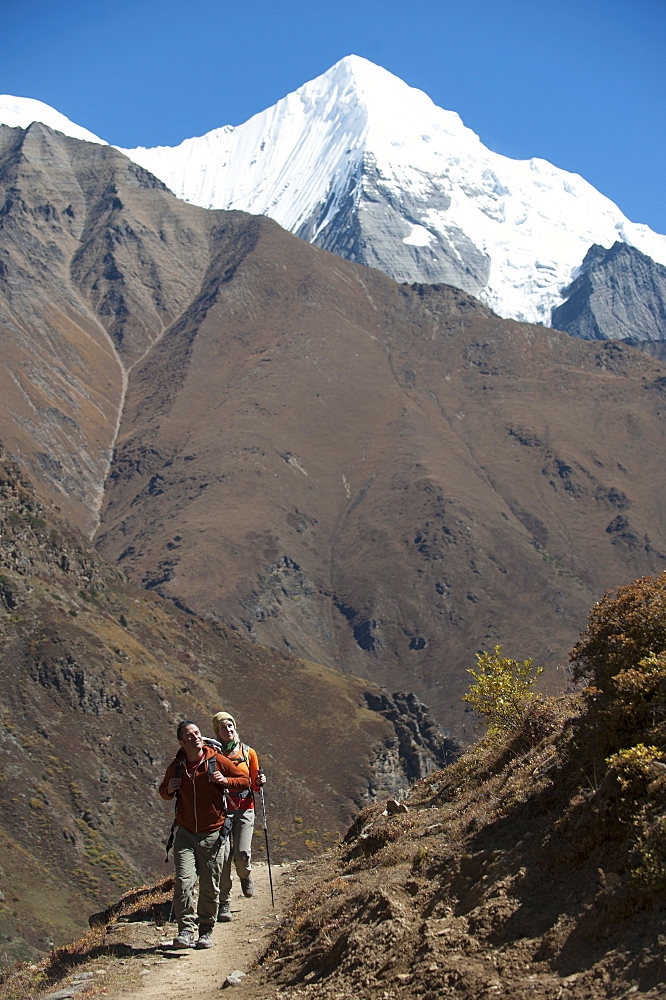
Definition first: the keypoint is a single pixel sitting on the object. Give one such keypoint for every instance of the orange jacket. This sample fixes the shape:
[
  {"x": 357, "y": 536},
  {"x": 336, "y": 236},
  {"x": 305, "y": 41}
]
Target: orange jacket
[
  {"x": 201, "y": 806},
  {"x": 249, "y": 767}
]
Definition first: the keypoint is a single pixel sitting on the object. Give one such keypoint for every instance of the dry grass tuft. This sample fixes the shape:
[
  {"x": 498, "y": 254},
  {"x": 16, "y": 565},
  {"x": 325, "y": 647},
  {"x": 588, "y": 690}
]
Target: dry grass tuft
[{"x": 22, "y": 980}]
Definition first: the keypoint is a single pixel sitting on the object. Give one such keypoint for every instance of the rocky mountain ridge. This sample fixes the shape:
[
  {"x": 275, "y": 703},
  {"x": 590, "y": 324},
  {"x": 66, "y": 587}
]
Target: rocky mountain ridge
[{"x": 619, "y": 294}]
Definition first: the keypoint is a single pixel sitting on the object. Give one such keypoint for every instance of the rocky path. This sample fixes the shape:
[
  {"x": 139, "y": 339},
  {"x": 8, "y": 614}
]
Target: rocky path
[{"x": 154, "y": 972}]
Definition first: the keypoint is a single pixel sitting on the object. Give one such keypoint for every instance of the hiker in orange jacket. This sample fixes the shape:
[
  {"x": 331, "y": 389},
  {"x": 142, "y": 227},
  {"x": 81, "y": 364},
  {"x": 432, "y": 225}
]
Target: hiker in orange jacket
[
  {"x": 201, "y": 779},
  {"x": 245, "y": 758}
]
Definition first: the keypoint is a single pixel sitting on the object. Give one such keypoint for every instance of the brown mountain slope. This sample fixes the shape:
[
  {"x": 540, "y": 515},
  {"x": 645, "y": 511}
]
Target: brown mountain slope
[
  {"x": 96, "y": 673},
  {"x": 376, "y": 477},
  {"x": 96, "y": 259},
  {"x": 383, "y": 478},
  {"x": 495, "y": 889}
]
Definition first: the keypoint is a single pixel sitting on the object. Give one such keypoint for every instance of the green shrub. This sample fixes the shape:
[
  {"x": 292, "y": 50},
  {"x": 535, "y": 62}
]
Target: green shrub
[
  {"x": 639, "y": 700},
  {"x": 622, "y": 629},
  {"x": 633, "y": 769},
  {"x": 503, "y": 688},
  {"x": 637, "y": 770},
  {"x": 651, "y": 846}
]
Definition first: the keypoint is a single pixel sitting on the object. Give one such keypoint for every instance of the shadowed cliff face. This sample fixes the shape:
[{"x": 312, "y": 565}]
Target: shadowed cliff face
[
  {"x": 370, "y": 227},
  {"x": 378, "y": 477},
  {"x": 620, "y": 294}
]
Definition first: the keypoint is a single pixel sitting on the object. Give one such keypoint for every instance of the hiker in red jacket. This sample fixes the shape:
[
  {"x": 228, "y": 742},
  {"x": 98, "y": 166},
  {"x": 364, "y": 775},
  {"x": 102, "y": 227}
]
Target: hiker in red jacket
[
  {"x": 242, "y": 804},
  {"x": 199, "y": 778}
]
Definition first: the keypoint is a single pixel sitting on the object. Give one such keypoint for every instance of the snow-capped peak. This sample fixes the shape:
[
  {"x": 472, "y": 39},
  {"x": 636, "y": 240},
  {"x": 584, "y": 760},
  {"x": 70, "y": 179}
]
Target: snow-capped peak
[
  {"x": 278, "y": 163},
  {"x": 387, "y": 95},
  {"x": 20, "y": 112},
  {"x": 512, "y": 231},
  {"x": 361, "y": 163},
  {"x": 283, "y": 160}
]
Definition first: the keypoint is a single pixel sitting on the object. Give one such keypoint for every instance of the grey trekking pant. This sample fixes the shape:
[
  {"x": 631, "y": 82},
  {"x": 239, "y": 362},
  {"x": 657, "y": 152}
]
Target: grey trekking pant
[
  {"x": 202, "y": 855},
  {"x": 241, "y": 851}
]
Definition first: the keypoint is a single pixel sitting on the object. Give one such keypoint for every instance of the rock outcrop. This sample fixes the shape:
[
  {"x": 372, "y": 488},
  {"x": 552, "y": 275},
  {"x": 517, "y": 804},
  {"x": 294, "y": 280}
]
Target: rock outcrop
[
  {"x": 373, "y": 223},
  {"x": 417, "y": 748},
  {"x": 619, "y": 294}
]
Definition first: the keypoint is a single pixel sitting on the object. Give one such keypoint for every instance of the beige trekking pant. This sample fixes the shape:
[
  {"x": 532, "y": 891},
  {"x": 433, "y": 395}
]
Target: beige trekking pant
[
  {"x": 202, "y": 855},
  {"x": 241, "y": 850}
]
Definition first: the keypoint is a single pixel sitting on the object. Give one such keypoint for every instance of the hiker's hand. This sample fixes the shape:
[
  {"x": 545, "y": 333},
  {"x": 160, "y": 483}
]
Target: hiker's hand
[
  {"x": 260, "y": 779},
  {"x": 218, "y": 778},
  {"x": 174, "y": 785}
]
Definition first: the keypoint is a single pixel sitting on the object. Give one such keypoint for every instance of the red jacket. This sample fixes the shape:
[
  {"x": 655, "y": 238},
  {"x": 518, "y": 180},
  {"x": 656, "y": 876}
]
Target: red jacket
[{"x": 201, "y": 806}]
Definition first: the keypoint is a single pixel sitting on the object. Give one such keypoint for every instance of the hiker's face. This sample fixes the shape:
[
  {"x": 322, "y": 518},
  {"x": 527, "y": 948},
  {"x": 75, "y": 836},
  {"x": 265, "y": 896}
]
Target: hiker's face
[
  {"x": 190, "y": 738},
  {"x": 226, "y": 731}
]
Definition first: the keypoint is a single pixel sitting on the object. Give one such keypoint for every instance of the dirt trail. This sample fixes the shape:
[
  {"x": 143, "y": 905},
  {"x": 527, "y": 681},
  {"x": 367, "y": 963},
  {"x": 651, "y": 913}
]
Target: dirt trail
[{"x": 154, "y": 972}]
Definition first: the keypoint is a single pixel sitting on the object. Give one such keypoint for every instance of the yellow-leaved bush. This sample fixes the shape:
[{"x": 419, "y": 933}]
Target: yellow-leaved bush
[
  {"x": 622, "y": 656},
  {"x": 503, "y": 688}
]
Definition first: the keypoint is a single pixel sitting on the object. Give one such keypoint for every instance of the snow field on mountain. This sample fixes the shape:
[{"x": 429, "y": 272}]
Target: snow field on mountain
[
  {"x": 20, "y": 112},
  {"x": 279, "y": 163}
]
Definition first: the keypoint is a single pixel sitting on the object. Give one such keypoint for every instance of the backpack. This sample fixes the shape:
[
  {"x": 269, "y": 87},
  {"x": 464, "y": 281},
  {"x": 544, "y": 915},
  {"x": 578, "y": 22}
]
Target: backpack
[{"x": 217, "y": 746}]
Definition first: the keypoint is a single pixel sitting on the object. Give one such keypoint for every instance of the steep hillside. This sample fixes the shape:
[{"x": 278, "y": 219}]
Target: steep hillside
[
  {"x": 96, "y": 259},
  {"x": 372, "y": 476},
  {"x": 95, "y": 675},
  {"x": 381, "y": 477},
  {"x": 534, "y": 867}
]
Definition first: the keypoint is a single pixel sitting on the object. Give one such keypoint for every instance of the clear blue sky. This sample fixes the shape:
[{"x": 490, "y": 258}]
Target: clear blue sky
[{"x": 581, "y": 83}]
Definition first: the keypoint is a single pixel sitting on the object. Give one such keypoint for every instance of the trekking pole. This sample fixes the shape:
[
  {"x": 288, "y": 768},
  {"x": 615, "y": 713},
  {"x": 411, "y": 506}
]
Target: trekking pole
[
  {"x": 169, "y": 843},
  {"x": 268, "y": 856}
]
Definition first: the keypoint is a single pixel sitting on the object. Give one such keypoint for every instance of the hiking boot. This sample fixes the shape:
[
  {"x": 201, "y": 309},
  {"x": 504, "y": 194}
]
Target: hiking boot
[
  {"x": 247, "y": 885},
  {"x": 224, "y": 914},
  {"x": 185, "y": 939},
  {"x": 205, "y": 937}
]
